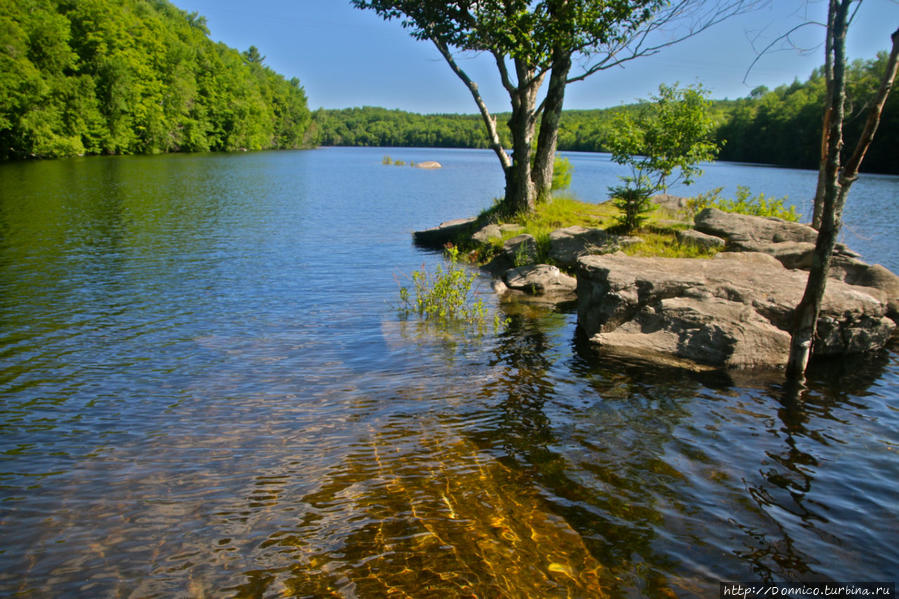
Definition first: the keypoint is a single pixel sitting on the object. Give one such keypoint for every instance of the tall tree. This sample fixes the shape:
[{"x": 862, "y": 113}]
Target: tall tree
[
  {"x": 836, "y": 179},
  {"x": 531, "y": 41}
]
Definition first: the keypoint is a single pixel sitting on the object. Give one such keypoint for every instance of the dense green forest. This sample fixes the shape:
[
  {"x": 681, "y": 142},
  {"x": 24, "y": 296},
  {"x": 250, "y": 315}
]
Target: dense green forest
[
  {"x": 780, "y": 126},
  {"x": 134, "y": 76}
]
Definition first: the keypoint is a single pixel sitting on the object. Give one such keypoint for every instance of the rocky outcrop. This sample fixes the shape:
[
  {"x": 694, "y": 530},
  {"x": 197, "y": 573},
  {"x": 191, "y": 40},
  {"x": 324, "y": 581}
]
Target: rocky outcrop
[
  {"x": 568, "y": 244},
  {"x": 446, "y": 232},
  {"x": 733, "y": 310},
  {"x": 793, "y": 244}
]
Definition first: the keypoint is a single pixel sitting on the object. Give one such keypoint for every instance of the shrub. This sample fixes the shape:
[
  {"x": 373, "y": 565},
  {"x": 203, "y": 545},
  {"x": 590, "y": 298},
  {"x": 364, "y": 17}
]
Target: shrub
[
  {"x": 634, "y": 203},
  {"x": 445, "y": 297},
  {"x": 745, "y": 204}
]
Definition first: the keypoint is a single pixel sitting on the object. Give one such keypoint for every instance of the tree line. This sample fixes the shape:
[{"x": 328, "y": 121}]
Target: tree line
[
  {"x": 780, "y": 126},
  {"x": 134, "y": 77}
]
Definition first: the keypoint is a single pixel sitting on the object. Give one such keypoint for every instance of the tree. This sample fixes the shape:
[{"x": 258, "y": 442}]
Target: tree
[
  {"x": 532, "y": 41},
  {"x": 836, "y": 179},
  {"x": 668, "y": 136}
]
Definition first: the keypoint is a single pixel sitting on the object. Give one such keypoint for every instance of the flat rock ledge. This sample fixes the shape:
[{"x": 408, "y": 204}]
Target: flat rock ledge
[{"x": 731, "y": 311}]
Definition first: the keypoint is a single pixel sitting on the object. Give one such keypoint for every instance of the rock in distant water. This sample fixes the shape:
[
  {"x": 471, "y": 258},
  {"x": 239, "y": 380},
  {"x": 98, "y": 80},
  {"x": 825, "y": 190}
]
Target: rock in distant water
[
  {"x": 428, "y": 164},
  {"x": 730, "y": 311}
]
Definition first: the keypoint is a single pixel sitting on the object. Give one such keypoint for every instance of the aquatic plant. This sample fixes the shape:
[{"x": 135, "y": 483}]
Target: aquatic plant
[{"x": 446, "y": 296}]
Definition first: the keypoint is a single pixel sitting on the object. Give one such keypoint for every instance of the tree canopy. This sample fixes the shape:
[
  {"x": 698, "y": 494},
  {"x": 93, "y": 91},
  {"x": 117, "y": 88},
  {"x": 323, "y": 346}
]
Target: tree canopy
[
  {"x": 536, "y": 41},
  {"x": 134, "y": 76}
]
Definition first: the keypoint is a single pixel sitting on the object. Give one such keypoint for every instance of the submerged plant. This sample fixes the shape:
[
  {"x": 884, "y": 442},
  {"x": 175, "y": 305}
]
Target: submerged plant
[{"x": 446, "y": 296}]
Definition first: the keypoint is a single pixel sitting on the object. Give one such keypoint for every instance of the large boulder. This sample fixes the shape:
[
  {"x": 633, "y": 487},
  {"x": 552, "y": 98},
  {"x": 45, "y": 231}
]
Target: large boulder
[
  {"x": 793, "y": 244},
  {"x": 751, "y": 233},
  {"x": 733, "y": 310},
  {"x": 541, "y": 280}
]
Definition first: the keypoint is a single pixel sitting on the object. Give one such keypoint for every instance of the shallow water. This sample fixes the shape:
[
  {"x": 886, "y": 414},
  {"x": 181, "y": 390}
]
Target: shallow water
[{"x": 205, "y": 390}]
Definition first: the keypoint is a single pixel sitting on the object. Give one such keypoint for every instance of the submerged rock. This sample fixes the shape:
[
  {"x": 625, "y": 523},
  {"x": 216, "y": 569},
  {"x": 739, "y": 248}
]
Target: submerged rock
[
  {"x": 730, "y": 311},
  {"x": 542, "y": 279}
]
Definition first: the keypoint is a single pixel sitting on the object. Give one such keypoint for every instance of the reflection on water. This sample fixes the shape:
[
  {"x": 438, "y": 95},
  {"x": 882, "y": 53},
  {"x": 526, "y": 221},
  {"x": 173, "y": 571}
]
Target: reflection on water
[{"x": 205, "y": 391}]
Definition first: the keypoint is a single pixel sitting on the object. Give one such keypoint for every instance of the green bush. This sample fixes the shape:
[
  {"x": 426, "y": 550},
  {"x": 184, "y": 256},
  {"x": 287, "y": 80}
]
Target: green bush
[
  {"x": 445, "y": 297},
  {"x": 634, "y": 203},
  {"x": 744, "y": 204},
  {"x": 562, "y": 170}
]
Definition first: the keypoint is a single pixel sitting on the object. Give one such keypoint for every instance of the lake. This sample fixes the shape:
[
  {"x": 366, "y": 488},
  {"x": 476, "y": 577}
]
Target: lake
[{"x": 206, "y": 390}]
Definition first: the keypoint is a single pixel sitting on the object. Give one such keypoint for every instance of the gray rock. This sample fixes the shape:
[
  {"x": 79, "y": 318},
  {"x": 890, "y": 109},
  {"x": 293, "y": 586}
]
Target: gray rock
[
  {"x": 703, "y": 240},
  {"x": 487, "y": 233},
  {"x": 444, "y": 233},
  {"x": 751, "y": 233},
  {"x": 517, "y": 251},
  {"x": 568, "y": 244},
  {"x": 541, "y": 279},
  {"x": 734, "y": 310}
]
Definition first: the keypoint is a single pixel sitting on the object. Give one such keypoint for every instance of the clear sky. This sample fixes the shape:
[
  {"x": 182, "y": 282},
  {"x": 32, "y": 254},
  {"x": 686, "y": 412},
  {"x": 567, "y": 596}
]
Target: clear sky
[{"x": 347, "y": 57}]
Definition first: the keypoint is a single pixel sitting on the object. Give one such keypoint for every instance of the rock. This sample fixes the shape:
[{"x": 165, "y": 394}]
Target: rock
[
  {"x": 792, "y": 254},
  {"x": 855, "y": 272},
  {"x": 493, "y": 231},
  {"x": 751, "y": 233},
  {"x": 517, "y": 251},
  {"x": 669, "y": 202},
  {"x": 486, "y": 233},
  {"x": 444, "y": 233},
  {"x": 428, "y": 164},
  {"x": 568, "y": 244},
  {"x": 694, "y": 237},
  {"x": 541, "y": 279},
  {"x": 730, "y": 311}
]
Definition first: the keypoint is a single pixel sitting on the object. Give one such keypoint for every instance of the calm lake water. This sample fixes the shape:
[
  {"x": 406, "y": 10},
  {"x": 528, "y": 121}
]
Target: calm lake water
[{"x": 205, "y": 390}]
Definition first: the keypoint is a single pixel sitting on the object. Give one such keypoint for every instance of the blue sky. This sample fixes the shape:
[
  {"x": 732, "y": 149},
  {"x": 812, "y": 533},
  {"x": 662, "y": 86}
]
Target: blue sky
[{"x": 346, "y": 57}]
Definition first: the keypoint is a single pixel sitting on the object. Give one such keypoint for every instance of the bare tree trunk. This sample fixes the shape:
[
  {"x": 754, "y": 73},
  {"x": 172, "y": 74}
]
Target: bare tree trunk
[
  {"x": 836, "y": 188},
  {"x": 818, "y": 202},
  {"x": 805, "y": 316},
  {"x": 548, "y": 138}
]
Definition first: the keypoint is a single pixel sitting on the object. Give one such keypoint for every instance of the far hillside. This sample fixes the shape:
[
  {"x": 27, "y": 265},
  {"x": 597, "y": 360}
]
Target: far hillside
[
  {"x": 134, "y": 77},
  {"x": 780, "y": 126}
]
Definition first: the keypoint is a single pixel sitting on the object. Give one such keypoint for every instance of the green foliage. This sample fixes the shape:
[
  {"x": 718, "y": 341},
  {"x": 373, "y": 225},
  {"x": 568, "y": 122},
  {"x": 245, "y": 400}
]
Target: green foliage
[
  {"x": 445, "y": 297},
  {"x": 783, "y": 126},
  {"x": 134, "y": 76},
  {"x": 668, "y": 136},
  {"x": 744, "y": 203},
  {"x": 633, "y": 200},
  {"x": 664, "y": 244},
  {"x": 562, "y": 170}
]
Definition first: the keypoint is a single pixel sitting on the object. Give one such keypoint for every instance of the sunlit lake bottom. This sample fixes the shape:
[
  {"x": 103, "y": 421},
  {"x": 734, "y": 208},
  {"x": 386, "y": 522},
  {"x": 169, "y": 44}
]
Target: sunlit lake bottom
[{"x": 206, "y": 391}]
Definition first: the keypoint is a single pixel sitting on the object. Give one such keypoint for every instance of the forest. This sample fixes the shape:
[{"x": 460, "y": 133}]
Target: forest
[
  {"x": 142, "y": 77},
  {"x": 134, "y": 77},
  {"x": 780, "y": 126}
]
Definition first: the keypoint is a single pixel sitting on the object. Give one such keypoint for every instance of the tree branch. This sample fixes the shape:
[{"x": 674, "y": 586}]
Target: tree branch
[{"x": 495, "y": 143}]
